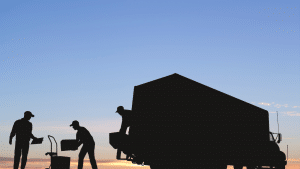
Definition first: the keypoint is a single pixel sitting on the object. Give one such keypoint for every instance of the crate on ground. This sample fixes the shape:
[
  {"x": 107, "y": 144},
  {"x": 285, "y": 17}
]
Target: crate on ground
[{"x": 60, "y": 162}]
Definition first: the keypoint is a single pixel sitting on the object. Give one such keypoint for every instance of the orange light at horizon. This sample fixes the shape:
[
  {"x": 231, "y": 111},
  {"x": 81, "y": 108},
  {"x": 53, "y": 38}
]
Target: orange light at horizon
[
  {"x": 113, "y": 164},
  {"x": 103, "y": 164}
]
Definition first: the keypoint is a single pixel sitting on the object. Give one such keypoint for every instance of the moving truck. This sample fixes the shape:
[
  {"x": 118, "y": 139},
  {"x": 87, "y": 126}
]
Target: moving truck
[{"x": 180, "y": 123}]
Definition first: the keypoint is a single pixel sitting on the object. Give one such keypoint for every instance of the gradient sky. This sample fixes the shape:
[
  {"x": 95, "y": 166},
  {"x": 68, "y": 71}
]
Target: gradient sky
[{"x": 78, "y": 60}]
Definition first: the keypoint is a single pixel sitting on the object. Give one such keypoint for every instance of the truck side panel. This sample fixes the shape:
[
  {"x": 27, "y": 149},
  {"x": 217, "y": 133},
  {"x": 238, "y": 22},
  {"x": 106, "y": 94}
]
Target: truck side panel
[{"x": 179, "y": 109}]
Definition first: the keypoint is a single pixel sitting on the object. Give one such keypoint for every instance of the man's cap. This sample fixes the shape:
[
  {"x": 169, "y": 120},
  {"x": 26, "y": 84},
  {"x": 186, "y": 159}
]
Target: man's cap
[
  {"x": 120, "y": 108},
  {"x": 75, "y": 122},
  {"x": 28, "y": 113}
]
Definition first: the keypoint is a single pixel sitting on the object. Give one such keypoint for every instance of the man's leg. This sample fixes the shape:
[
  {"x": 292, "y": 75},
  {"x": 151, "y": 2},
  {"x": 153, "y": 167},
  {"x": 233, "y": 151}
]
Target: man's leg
[
  {"x": 91, "y": 152},
  {"x": 123, "y": 138},
  {"x": 25, "y": 149},
  {"x": 17, "y": 156},
  {"x": 82, "y": 153},
  {"x": 119, "y": 154}
]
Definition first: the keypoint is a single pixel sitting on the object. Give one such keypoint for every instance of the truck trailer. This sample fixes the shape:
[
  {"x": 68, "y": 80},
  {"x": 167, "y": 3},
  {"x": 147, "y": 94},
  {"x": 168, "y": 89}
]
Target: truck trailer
[{"x": 180, "y": 123}]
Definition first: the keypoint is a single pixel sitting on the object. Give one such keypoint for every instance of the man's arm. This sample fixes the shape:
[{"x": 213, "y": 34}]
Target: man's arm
[
  {"x": 13, "y": 132},
  {"x": 78, "y": 139},
  {"x": 126, "y": 121},
  {"x": 124, "y": 126},
  {"x": 31, "y": 135}
]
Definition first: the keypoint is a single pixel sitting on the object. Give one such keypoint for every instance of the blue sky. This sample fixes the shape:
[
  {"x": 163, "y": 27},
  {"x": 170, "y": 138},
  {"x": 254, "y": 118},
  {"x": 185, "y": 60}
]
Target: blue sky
[{"x": 66, "y": 60}]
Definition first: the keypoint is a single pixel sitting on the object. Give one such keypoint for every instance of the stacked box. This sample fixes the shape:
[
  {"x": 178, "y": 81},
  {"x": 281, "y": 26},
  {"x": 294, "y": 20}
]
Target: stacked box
[{"x": 60, "y": 162}]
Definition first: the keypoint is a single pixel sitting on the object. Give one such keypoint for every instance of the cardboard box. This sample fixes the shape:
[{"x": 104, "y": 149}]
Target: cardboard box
[
  {"x": 118, "y": 140},
  {"x": 66, "y": 145}
]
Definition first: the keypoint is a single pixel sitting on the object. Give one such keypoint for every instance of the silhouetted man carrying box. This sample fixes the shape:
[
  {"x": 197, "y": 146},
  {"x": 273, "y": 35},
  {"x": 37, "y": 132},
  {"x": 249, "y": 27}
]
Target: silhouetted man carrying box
[
  {"x": 84, "y": 137},
  {"x": 22, "y": 128}
]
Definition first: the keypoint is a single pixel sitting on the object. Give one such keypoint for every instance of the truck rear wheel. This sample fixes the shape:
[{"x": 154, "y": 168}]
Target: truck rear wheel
[
  {"x": 153, "y": 166},
  {"x": 251, "y": 167},
  {"x": 168, "y": 167},
  {"x": 280, "y": 166},
  {"x": 157, "y": 166},
  {"x": 162, "y": 167},
  {"x": 185, "y": 166},
  {"x": 212, "y": 166}
]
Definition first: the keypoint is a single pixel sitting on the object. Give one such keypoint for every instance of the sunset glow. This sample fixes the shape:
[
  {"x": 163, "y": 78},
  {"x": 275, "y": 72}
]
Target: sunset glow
[
  {"x": 112, "y": 164},
  {"x": 66, "y": 60},
  {"x": 107, "y": 164}
]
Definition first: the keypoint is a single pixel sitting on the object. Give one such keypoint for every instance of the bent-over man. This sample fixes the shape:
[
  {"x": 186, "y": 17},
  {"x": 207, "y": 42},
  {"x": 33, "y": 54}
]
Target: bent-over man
[{"x": 84, "y": 137}]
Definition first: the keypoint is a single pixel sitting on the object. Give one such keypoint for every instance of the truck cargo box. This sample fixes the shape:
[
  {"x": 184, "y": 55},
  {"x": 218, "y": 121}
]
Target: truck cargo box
[
  {"x": 180, "y": 123},
  {"x": 175, "y": 109}
]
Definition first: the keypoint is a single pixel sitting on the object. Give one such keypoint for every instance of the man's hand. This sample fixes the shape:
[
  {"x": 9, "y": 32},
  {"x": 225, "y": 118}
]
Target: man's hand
[
  {"x": 10, "y": 141},
  {"x": 79, "y": 143}
]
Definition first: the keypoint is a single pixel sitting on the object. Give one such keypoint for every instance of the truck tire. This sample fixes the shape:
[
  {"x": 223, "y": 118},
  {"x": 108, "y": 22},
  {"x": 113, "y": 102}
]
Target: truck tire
[
  {"x": 166, "y": 167},
  {"x": 161, "y": 167},
  {"x": 213, "y": 166},
  {"x": 188, "y": 166},
  {"x": 237, "y": 166},
  {"x": 251, "y": 167},
  {"x": 280, "y": 166},
  {"x": 154, "y": 167}
]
